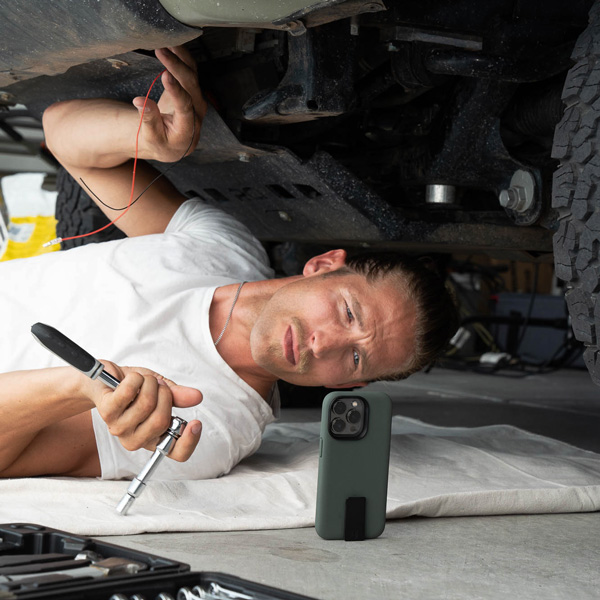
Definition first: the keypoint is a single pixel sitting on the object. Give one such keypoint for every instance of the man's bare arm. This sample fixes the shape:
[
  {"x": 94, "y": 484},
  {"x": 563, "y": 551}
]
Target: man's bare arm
[
  {"x": 45, "y": 423},
  {"x": 95, "y": 141},
  {"x": 31, "y": 401}
]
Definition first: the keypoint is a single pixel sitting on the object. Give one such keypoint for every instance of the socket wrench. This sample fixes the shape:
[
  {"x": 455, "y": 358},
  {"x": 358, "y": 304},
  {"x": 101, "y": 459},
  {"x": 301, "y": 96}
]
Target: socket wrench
[{"x": 77, "y": 357}]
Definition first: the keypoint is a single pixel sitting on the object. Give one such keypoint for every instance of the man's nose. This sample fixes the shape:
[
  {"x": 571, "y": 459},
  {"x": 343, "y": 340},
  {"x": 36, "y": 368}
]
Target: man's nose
[{"x": 326, "y": 343}]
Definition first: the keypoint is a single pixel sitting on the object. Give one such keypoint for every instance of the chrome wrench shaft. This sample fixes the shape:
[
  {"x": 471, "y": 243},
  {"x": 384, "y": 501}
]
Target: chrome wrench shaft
[{"x": 138, "y": 484}]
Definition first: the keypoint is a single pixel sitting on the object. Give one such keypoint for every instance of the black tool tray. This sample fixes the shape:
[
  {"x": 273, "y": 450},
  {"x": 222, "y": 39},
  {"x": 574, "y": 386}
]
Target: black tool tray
[{"x": 24, "y": 547}]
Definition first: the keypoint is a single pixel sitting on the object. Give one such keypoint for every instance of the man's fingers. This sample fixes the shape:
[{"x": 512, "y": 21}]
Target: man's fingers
[
  {"x": 180, "y": 99},
  {"x": 112, "y": 404},
  {"x": 178, "y": 69},
  {"x": 194, "y": 88},
  {"x": 184, "y": 119},
  {"x": 184, "y": 396},
  {"x": 184, "y": 55},
  {"x": 149, "y": 426},
  {"x": 186, "y": 444},
  {"x": 151, "y": 112},
  {"x": 139, "y": 411},
  {"x": 127, "y": 425},
  {"x": 142, "y": 406},
  {"x": 153, "y": 130},
  {"x": 181, "y": 78}
]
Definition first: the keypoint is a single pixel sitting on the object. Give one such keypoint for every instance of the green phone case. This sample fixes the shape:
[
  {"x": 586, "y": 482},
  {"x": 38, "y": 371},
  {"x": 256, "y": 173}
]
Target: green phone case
[{"x": 353, "y": 472}]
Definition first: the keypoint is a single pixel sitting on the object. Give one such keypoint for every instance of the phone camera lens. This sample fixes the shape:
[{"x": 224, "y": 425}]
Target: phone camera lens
[
  {"x": 339, "y": 407},
  {"x": 353, "y": 416},
  {"x": 338, "y": 425}
]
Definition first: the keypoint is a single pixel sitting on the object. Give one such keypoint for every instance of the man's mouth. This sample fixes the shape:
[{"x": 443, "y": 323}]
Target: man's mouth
[{"x": 288, "y": 346}]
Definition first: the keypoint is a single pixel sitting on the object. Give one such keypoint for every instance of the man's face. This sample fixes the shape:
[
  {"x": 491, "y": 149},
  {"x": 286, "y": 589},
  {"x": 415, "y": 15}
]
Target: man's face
[{"x": 334, "y": 330}]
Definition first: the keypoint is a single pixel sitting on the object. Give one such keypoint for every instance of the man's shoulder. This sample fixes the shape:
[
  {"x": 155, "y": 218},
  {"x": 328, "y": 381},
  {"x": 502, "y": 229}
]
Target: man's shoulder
[{"x": 209, "y": 225}]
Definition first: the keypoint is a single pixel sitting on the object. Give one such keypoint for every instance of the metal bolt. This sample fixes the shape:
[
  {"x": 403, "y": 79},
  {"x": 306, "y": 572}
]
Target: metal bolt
[
  {"x": 164, "y": 596},
  {"x": 511, "y": 197},
  {"x": 243, "y": 157},
  {"x": 520, "y": 195},
  {"x": 284, "y": 216}
]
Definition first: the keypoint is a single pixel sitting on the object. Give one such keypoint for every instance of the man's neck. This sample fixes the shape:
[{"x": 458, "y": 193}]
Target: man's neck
[{"x": 234, "y": 346}]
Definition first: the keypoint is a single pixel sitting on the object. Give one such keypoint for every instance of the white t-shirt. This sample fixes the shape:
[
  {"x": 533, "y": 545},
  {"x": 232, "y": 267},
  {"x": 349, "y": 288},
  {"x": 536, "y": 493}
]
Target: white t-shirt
[{"x": 144, "y": 301}]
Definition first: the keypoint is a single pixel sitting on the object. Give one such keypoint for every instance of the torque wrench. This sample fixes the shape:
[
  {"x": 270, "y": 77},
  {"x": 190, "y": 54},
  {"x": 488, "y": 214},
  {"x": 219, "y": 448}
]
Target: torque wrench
[{"x": 77, "y": 357}]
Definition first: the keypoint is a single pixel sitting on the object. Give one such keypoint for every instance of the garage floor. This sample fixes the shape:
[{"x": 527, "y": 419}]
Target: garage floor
[{"x": 539, "y": 556}]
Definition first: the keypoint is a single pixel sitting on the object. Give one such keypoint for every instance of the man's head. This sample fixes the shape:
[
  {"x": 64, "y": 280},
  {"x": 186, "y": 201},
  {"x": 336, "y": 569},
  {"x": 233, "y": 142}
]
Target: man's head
[
  {"x": 436, "y": 310},
  {"x": 348, "y": 322}
]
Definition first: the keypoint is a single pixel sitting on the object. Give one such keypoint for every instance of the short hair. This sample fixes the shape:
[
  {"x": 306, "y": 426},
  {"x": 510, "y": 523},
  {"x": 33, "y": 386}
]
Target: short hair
[{"x": 437, "y": 316}]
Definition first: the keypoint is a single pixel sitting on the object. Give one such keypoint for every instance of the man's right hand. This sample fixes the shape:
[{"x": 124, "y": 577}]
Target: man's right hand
[
  {"x": 138, "y": 412},
  {"x": 172, "y": 127}
]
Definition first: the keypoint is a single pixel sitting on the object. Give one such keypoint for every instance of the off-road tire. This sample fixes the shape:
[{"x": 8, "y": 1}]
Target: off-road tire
[
  {"x": 77, "y": 213},
  {"x": 576, "y": 192}
]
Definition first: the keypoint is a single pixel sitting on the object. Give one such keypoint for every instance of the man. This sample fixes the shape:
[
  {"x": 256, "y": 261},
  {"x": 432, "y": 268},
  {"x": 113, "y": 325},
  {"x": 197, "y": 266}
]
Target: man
[{"x": 189, "y": 295}]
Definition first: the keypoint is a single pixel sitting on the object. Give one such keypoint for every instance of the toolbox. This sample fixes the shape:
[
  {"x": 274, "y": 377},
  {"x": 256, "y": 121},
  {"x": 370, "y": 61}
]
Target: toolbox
[{"x": 40, "y": 562}]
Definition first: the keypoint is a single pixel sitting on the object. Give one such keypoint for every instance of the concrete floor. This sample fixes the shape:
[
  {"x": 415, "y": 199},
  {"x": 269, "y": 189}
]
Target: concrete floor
[{"x": 530, "y": 556}]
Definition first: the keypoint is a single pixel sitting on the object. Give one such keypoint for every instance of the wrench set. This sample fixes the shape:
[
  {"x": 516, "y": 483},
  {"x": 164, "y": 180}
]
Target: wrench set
[
  {"x": 185, "y": 593},
  {"x": 39, "y": 562},
  {"x": 211, "y": 592}
]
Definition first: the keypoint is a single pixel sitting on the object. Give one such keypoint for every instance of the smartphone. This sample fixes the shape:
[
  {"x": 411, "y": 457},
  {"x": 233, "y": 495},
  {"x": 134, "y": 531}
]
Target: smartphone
[{"x": 353, "y": 465}]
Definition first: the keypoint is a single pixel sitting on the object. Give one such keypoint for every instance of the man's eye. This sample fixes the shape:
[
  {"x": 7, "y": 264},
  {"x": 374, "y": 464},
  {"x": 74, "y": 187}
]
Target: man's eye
[
  {"x": 356, "y": 358},
  {"x": 349, "y": 313}
]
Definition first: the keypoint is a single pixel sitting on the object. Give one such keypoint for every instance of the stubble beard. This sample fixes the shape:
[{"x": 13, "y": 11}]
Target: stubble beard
[{"x": 275, "y": 350}]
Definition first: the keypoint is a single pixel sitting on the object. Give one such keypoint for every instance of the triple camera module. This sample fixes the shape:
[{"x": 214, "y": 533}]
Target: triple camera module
[{"x": 347, "y": 418}]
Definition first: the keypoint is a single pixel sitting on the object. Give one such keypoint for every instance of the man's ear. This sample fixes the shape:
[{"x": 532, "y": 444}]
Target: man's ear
[
  {"x": 323, "y": 263},
  {"x": 346, "y": 386}
]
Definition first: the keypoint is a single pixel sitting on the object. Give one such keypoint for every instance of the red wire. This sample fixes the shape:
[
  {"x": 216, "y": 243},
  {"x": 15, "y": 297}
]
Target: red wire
[{"x": 137, "y": 136}]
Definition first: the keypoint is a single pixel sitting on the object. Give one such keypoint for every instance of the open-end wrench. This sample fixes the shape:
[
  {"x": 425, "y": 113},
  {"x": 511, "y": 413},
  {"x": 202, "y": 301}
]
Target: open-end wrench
[{"x": 102, "y": 568}]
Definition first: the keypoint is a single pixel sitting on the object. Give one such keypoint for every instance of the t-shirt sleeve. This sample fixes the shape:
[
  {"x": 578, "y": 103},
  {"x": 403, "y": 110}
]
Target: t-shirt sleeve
[
  {"x": 197, "y": 219},
  {"x": 230, "y": 432}
]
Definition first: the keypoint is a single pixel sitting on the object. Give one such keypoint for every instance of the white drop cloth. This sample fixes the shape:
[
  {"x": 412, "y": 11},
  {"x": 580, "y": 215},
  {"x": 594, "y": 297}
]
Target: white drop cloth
[{"x": 434, "y": 471}]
